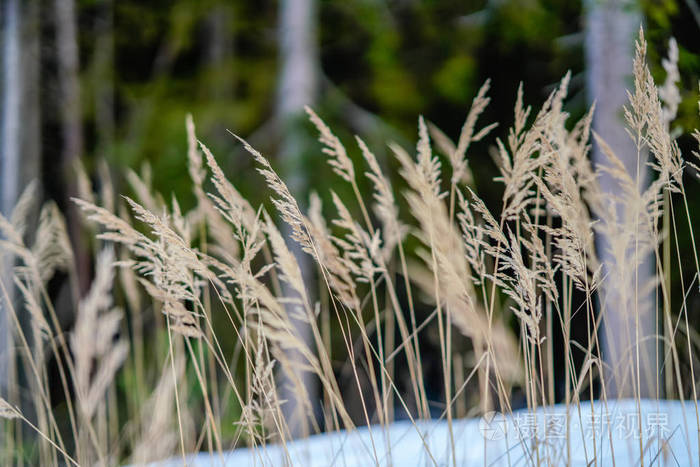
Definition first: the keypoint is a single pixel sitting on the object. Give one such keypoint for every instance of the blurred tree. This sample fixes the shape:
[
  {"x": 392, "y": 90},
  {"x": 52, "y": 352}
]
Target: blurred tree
[
  {"x": 19, "y": 137},
  {"x": 612, "y": 28},
  {"x": 298, "y": 78},
  {"x": 102, "y": 78},
  {"x": 71, "y": 130}
]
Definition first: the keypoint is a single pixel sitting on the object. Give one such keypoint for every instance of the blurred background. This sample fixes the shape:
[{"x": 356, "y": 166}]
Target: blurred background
[
  {"x": 107, "y": 84},
  {"x": 111, "y": 81}
]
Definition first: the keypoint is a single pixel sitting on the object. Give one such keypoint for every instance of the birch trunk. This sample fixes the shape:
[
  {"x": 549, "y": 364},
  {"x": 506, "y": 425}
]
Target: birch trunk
[
  {"x": 297, "y": 87},
  {"x": 19, "y": 135},
  {"x": 628, "y": 322}
]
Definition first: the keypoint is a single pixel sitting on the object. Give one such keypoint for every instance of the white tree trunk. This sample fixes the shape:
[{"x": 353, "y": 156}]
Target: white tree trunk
[
  {"x": 612, "y": 27},
  {"x": 297, "y": 87},
  {"x": 19, "y": 133}
]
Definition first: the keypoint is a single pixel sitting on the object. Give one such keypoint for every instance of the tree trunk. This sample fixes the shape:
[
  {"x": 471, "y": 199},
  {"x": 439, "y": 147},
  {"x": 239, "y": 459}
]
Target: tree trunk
[
  {"x": 19, "y": 134},
  {"x": 71, "y": 130},
  {"x": 297, "y": 87},
  {"x": 103, "y": 63},
  {"x": 612, "y": 27}
]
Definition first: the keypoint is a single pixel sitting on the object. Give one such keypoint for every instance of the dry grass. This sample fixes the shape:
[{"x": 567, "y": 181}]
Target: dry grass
[{"x": 195, "y": 282}]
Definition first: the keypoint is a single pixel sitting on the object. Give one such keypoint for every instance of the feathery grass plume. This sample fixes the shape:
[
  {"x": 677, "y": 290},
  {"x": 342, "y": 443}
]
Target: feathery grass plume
[
  {"x": 447, "y": 147},
  {"x": 338, "y": 157},
  {"x": 668, "y": 92},
  {"x": 518, "y": 162},
  {"x": 98, "y": 350},
  {"x": 566, "y": 171},
  {"x": 423, "y": 176},
  {"x": 158, "y": 437},
  {"x": 118, "y": 230},
  {"x": 636, "y": 227},
  {"x": 476, "y": 248},
  {"x": 142, "y": 186},
  {"x": 578, "y": 147},
  {"x": 7, "y": 411},
  {"x": 107, "y": 192},
  {"x": 286, "y": 204},
  {"x": 469, "y": 134},
  {"x": 285, "y": 261},
  {"x": 340, "y": 162},
  {"x": 234, "y": 208},
  {"x": 385, "y": 204},
  {"x": 648, "y": 122},
  {"x": 520, "y": 283},
  {"x": 428, "y": 166},
  {"x": 490, "y": 228},
  {"x": 52, "y": 248},
  {"x": 206, "y": 213},
  {"x": 361, "y": 250},
  {"x": 14, "y": 228},
  {"x": 516, "y": 166},
  {"x": 539, "y": 261},
  {"x": 173, "y": 269},
  {"x": 473, "y": 239},
  {"x": 440, "y": 236},
  {"x": 32, "y": 305},
  {"x": 339, "y": 276},
  {"x": 516, "y": 279},
  {"x": 49, "y": 252},
  {"x": 180, "y": 224},
  {"x": 172, "y": 246},
  {"x": 576, "y": 247},
  {"x": 194, "y": 159},
  {"x": 21, "y": 213}
]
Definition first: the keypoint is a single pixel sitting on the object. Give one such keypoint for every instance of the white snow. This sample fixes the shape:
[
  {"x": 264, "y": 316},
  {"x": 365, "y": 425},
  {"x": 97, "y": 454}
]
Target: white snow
[{"x": 670, "y": 437}]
